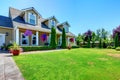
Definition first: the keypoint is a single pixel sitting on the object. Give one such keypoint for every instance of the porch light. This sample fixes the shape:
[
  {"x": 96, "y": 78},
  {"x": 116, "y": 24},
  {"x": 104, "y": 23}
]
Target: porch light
[{"x": 6, "y": 33}]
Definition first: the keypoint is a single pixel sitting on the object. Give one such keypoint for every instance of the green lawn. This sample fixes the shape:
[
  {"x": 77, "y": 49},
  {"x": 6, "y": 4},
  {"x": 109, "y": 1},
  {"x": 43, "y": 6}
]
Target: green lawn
[{"x": 75, "y": 64}]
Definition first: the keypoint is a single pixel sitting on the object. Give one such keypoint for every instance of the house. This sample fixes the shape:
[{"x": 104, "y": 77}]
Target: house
[{"x": 13, "y": 28}]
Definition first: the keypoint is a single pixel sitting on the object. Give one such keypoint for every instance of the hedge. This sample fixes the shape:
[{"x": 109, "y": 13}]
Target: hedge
[
  {"x": 75, "y": 46},
  {"x": 35, "y": 48}
]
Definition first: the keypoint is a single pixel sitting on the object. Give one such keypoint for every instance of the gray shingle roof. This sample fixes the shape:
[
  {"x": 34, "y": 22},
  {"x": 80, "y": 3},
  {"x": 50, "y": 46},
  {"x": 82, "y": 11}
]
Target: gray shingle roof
[
  {"x": 19, "y": 21},
  {"x": 5, "y": 22}
]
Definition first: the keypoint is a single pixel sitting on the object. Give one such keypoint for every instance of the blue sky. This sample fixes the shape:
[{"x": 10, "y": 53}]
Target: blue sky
[{"x": 81, "y": 14}]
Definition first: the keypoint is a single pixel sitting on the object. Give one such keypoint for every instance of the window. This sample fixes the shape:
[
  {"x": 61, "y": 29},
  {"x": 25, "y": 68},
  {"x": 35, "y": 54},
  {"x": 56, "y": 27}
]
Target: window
[
  {"x": 52, "y": 23},
  {"x": 33, "y": 39},
  {"x": 66, "y": 29},
  {"x": 24, "y": 39},
  {"x": 32, "y": 18}
]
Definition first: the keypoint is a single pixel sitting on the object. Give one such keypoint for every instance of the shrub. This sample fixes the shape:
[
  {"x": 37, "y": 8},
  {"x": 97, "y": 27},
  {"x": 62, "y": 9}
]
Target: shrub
[
  {"x": 35, "y": 48},
  {"x": 118, "y": 48},
  {"x": 109, "y": 47},
  {"x": 53, "y": 38},
  {"x": 75, "y": 46},
  {"x": 63, "y": 39},
  {"x": 8, "y": 46},
  {"x": 84, "y": 46}
]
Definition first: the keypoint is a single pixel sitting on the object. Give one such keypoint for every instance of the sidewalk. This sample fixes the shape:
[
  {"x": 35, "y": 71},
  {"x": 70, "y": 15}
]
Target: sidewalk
[{"x": 8, "y": 68}]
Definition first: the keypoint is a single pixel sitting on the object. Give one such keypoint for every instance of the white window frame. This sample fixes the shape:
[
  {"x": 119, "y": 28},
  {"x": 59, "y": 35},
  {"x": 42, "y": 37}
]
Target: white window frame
[
  {"x": 29, "y": 18},
  {"x": 33, "y": 35},
  {"x": 52, "y": 21},
  {"x": 66, "y": 28},
  {"x": 26, "y": 39}
]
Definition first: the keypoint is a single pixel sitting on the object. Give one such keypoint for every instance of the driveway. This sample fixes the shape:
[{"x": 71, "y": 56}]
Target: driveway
[{"x": 8, "y": 68}]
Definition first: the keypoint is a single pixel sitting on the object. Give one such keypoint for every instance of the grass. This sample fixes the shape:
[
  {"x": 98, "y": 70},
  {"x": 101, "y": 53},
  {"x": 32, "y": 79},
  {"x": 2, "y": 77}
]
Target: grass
[{"x": 75, "y": 64}]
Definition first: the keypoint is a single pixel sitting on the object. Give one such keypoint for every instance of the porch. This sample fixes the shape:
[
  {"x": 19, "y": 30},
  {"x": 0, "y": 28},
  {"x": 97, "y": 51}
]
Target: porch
[{"x": 37, "y": 38}]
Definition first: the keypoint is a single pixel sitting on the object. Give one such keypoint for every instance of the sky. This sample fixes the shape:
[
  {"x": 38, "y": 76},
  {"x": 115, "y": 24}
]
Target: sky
[{"x": 82, "y": 15}]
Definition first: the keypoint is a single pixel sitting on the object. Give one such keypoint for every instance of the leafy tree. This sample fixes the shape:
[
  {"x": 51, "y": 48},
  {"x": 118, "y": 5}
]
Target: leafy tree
[
  {"x": 102, "y": 35},
  {"x": 93, "y": 39},
  {"x": 98, "y": 33},
  {"x": 116, "y": 40},
  {"x": 79, "y": 39},
  {"x": 53, "y": 38},
  {"x": 63, "y": 39},
  {"x": 100, "y": 43},
  {"x": 117, "y": 30},
  {"x": 116, "y": 35},
  {"x": 88, "y": 34},
  {"x": 88, "y": 43}
]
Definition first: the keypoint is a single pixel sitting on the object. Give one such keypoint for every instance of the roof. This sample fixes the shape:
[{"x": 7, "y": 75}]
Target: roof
[
  {"x": 18, "y": 21},
  {"x": 64, "y": 24},
  {"x": 6, "y": 22},
  {"x": 14, "y": 12},
  {"x": 31, "y": 8},
  {"x": 52, "y": 17}
]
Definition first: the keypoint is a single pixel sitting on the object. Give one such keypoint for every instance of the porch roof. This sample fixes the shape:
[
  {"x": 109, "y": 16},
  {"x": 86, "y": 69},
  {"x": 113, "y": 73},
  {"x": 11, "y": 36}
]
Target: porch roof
[{"x": 38, "y": 28}]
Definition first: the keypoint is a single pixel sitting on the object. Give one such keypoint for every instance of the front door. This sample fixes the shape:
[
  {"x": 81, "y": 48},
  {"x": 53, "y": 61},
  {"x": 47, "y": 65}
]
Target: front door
[{"x": 2, "y": 39}]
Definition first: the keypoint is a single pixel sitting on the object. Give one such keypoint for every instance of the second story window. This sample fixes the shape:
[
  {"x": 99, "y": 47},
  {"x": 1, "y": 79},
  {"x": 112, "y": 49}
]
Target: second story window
[
  {"x": 52, "y": 23},
  {"x": 32, "y": 18},
  {"x": 66, "y": 29}
]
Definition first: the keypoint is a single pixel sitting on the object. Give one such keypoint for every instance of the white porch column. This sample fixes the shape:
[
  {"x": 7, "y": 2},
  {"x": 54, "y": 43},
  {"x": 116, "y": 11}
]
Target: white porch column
[
  {"x": 68, "y": 41},
  {"x": 37, "y": 38},
  {"x": 17, "y": 36},
  {"x": 74, "y": 42}
]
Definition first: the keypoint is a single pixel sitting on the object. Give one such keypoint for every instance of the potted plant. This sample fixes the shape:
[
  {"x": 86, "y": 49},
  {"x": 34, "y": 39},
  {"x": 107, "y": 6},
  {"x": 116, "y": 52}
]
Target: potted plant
[{"x": 15, "y": 49}]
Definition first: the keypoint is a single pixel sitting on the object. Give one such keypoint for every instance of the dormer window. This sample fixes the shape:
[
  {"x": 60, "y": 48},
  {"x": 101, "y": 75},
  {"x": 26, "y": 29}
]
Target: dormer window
[
  {"x": 32, "y": 18},
  {"x": 66, "y": 29},
  {"x": 52, "y": 23}
]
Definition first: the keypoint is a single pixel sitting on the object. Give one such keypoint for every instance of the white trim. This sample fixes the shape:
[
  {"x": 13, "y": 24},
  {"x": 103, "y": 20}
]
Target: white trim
[
  {"x": 2, "y": 34},
  {"x": 27, "y": 40},
  {"x": 17, "y": 36},
  {"x": 34, "y": 16},
  {"x": 37, "y": 38},
  {"x": 5, "y": 27}
]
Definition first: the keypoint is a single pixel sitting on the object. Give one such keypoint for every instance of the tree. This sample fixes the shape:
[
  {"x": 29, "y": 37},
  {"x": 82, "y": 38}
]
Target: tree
[
  {"x": 116, "y": 40},
  {"x": 93, "y": 39},
  {"x": 88, "y": 42},
  {"x": 116, "y": 36},
  {"x": 102, "y": 35},
  {"x": 88, "y": 34},
  {"x": 79, "y": 39},
  {"x": 98, "y": 33},
  {"x": 100, "y": 43},
  {"x": 63, "y": 39},
  {"x": 53, "y": 38}
]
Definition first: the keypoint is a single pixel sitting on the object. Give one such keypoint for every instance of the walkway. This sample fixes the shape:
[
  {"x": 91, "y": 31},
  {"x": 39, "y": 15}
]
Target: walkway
[{"x": 8, "y": 68}]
